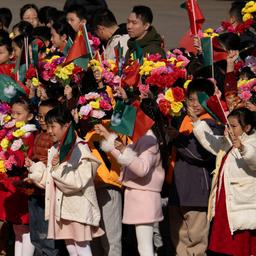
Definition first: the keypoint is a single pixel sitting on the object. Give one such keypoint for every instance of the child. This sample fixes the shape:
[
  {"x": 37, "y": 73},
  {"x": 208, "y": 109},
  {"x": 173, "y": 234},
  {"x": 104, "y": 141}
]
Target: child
[
  {"x": 13, "y": 197},
  {"x": 232, "y": 198},
  {"x": 5, "y": 18},
  {"x": 70, "y": 199},
  {"x": 6, "y": 52},
  {"x": 76, "y": 16},
  {"x": 143, "y": 177},
  {"x": 191, "y": 178},
  {"x": 60, "y": 32},
  {"x": 38, "y": 226}
]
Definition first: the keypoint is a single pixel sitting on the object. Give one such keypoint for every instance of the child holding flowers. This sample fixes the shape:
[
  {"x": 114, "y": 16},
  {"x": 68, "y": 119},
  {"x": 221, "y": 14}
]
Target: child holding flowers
[
  {"x": 70, "y": 199},
  {"x": 16, "y": 143},
  {"x": 191, "y": 178}
]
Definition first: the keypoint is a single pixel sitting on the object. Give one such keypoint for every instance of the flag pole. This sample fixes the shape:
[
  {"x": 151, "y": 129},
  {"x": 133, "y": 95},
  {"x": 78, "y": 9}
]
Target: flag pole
[
  {"x": 87, "y": 39},
  {"x": 194, "y": 17},
  {"x": 212, "y": 58}
]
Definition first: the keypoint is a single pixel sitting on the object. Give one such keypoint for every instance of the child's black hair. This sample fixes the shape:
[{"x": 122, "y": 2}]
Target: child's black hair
[
  {"x": 46, "y": 13},
  {"x": 59, "y": 114},
  {"x": 24, "y": 27},
  {"x": 49, "y": 103},
  {"x": 245, "y": 117},
  {"x": 5, "y": 17},
  {"x": 236, "y": 10},
  {"x": 246, "y": 71},
  {"x": 230, "y": 41},
  {"x": 201, "y": 85},
  {"x": 5, "y": 40},
  {"x": 64, "y": 28},
  {"x": 103, "y": 17},
  {"x": 25, "y": 102},
  {"x": 26, "y": 7},
  {"x": 79, "y": 10}
]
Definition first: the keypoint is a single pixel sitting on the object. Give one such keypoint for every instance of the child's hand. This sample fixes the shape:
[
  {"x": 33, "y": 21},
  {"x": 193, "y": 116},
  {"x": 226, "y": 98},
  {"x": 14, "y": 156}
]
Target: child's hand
[
  {"x": 197, "y": 43},
  {"x": 56, "y": 160},
  {"x": 191, "y": 114},
  {"x": 28, "y": 162},
  {"x": 101, "y": 130},
  {"x": 120, "y": 92},
  {"x": 119, "y": 146},
  {"x": 237, "y": 143}
]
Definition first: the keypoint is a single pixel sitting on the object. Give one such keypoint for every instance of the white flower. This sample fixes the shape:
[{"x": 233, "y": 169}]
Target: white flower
[{"x": 16, "y": 145}]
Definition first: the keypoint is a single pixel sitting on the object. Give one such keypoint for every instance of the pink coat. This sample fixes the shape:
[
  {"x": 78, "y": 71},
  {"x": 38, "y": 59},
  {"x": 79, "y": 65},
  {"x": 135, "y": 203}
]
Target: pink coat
[{"x": 143, "y": 177}]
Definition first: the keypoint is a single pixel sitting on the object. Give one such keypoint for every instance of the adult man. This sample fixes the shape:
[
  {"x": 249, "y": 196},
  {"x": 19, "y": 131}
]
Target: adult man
[
  {"x": 106, "y": 28},
  {"x": 142, "y": 34}
]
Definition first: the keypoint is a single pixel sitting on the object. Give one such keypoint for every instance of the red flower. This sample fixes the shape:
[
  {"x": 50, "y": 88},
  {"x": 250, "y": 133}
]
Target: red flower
[
  {"x": 165, "y": 107},
  {"x": 31, "y": 72},
  {"x": 178, "y": 93}
]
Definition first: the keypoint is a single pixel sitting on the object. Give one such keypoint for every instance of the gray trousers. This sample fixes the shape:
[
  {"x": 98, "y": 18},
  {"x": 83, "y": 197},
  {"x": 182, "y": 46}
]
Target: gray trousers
[{"x": 110, "y": 203}]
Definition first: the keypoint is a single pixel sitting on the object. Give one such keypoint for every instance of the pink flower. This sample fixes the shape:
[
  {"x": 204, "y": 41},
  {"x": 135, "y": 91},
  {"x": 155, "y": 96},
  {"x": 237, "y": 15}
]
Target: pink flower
[
  {"x": 245, "y": 95},
  {"x": 10, "y": 124},
  {"x": 85, "y": 111},
  {"x": 177, "y": 51},
  {"x": 143, "y": 88},
  {"x": 91, "y": 96},
  {"x": 154, "y": 57},
  {"x": 105, "y": 105},
  {"x": 10, "y": 162},
  {"x": 10, "y": 136},
  {"x": 16, "y": 145},
  {"x": 82, "y": 100},
  {"x": 97, "y": 114}
]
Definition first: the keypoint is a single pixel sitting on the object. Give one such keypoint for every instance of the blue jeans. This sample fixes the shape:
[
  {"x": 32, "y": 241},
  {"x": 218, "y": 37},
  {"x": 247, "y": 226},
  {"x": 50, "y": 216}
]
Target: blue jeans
[{"x": 39, "y": 229}]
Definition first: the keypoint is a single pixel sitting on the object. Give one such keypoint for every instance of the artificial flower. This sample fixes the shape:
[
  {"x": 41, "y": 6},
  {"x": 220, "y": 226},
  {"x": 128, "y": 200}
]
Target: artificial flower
[
  {"x": 4, "y": 143},
  {"x": 18, "y": 133},
  {"x": 19, "y": 124},
  {"x": 35, "y": 82}
]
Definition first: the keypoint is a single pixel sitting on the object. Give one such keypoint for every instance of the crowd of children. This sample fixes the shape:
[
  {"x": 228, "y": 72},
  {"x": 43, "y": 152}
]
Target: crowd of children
[{"x": 111, "y": 144}]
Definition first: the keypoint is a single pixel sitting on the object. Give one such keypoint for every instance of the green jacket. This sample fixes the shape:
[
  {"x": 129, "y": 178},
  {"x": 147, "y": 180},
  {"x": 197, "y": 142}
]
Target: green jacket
[{"x": 150, "y": 43}]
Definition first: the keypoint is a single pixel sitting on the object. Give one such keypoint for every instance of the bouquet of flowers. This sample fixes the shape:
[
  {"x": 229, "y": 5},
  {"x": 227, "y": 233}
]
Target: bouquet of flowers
[
  {"x": 53, "y": 70},
  {"x": 108, "y": 69},
  {"x": 94, "y": 106},
  {"x": 247, "y": 90},
  {"x": 170, "y": 103},
  {"x": 11, "y": 134},
  {"x": 163, "y": 73}
]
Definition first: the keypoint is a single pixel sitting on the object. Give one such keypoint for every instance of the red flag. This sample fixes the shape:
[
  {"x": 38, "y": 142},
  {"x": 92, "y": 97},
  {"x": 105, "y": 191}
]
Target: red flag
[
  {"x": 131, "y": 75},
  {"x": 219, "y": 52},
  {"x": 78, "y": 49},
  {"x": 8, "y": 69},
  {"x": 214, "y": 104},
  {"x": 142, "y": 123},
  {"x": 187, "y": 42},
  {"x": 196, "y": 17}
]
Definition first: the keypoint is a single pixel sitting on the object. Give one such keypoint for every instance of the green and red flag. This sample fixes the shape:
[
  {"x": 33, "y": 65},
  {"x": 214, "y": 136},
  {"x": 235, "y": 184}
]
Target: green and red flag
[
  {"x": 123, "y": 118},
  {"x": 131, "y": 74}
]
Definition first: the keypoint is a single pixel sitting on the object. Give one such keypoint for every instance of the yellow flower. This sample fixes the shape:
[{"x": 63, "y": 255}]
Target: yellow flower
[
  {"x": 95, "y": 104},
  {"x": 18, "y": 133},
  {"x": 169, "y": 95},
  {"x": 185, "y": 86},
  {"x": 35, "y": 82},
  {"x": 64, "y": 72},
  {"x": 208, "y": 31},
  {"x": 19, "y": 124},
  {"x": 179, "y": 64},
  {"x": 241, "y": 82},
  {"x": 4, "y": 143},
  {"x": 176, "y": 107},
  {"x": 159, "y": 64},
  {"x": 247, "y": 16},
  {"x": 172, "y": 60},
  {"x": 2, "y": 167},
  {"x": 7, "y": 118}
]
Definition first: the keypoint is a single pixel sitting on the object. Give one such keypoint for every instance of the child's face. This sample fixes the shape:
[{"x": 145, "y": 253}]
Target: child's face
[
  {"x": 4, "y": 54},
  {"x": 43, "y": 110},
  {"x": 193, "y": 102},
  {"x": 57, "y": 131},
  {"x": 235, "y": 126},
  {"x": 68, "y": 92},
  {"x": 57, "y": 40},
  {"x": 74, "y": 21},
  {"x": 20, "y": 113},
  {"x": 16, "y": 50}
]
